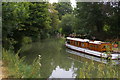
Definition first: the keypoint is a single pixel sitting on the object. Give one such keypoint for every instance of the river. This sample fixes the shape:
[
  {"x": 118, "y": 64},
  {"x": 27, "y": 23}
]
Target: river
[{"x": 55, "y": 61}]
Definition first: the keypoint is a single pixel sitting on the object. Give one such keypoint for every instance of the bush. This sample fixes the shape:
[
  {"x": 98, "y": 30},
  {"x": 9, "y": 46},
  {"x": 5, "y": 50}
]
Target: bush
[
  {"x": 26, "y": 40},
  {"x": 8, "y": 43},
  {"x": 90, "y": 70},
  {"x": 17, "y": 68}
]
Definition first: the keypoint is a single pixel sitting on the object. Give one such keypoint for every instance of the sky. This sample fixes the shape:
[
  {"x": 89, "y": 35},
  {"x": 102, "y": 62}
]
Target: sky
[{"x": 72, "y": 1}]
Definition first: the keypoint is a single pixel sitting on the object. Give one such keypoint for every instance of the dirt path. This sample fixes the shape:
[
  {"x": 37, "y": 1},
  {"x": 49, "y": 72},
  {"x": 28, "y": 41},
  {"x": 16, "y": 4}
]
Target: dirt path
[{"x": 3, "y": 71}]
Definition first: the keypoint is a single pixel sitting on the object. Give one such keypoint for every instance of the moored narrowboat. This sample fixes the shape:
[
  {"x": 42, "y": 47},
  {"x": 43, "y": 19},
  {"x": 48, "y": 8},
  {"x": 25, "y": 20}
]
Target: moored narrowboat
[{"x": 94, "y": 48}]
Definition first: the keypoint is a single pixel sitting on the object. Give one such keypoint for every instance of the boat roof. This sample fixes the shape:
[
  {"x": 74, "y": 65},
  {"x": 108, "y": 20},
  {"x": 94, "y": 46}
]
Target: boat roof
[
  {"x": 78, "y": 39},
  {"x": 85, "y": 40},
  {"x": 95, "y": 42}
]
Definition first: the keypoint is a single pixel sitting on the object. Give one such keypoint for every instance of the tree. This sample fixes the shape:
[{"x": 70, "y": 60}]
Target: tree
[
  {"x": 67, "y": 24},
  {"x": 112, "y": 10},
  {"x": 63, "y": 8},
  {"x": 39, "y": 20},
  {"x": 14, "y": 14},
  {"x": 24, "y": 19},
  {"x": 90, "y": 16},
  {"x": 97, "y": 19},
  {"x": 54, "y": 19}
]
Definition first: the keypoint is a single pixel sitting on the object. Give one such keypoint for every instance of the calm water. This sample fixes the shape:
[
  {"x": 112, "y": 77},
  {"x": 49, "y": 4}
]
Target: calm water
[{"x": 56, "y": 60}]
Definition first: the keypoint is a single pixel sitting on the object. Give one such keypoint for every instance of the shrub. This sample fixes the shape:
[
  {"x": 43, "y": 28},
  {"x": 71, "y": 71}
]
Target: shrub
[
  {"x": 26, "y": 40},
  {"x": 90, "y": 70},
  {"x": 17, "y": 68}
]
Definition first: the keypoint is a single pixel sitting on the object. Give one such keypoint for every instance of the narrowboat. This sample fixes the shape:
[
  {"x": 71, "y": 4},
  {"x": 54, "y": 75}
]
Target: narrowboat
[{"x": 94, "y": 48}]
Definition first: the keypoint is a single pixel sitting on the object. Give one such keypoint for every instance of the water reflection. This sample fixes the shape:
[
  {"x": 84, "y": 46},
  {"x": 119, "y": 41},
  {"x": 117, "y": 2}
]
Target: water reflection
[
  {"x": 61, "y": 73},
  {"x": 55, "y": 62},
  {"x": 53, "y": 58}
]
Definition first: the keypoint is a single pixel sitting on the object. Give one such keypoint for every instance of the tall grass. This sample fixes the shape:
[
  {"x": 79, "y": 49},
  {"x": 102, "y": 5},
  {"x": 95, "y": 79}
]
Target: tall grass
[
  {"x": 90, "y": 70},
  {"x": 17, "y": 68}
]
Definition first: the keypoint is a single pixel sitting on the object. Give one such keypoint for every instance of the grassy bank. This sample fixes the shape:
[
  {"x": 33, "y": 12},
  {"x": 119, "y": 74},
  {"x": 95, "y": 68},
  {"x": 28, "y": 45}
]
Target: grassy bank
[{"x": 17, "y": 68}]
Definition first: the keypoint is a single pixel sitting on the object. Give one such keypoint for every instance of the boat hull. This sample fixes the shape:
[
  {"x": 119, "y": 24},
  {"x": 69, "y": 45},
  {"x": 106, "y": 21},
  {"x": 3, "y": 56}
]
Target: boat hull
[
  {"x": 93, "y": 53},
  {"x": 84, "y": 57}
]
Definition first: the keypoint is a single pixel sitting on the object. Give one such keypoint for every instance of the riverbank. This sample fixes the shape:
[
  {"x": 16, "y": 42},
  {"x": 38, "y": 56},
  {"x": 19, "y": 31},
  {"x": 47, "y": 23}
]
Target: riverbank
[
  {"x": 15, "y": 67},
  {"x": 3, "y": 70}
]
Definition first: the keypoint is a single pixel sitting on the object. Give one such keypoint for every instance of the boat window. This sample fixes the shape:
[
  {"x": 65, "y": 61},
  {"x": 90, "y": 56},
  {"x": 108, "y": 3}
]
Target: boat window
[
  {"x": 78, "y": 43},
  {"x": 72, "y": 42},
  {"x": 75, "y": 43},
  {"x": 96, "y": 46},
  {"x": 91, "y": 46},
  {"x": 82, "y": 44}
]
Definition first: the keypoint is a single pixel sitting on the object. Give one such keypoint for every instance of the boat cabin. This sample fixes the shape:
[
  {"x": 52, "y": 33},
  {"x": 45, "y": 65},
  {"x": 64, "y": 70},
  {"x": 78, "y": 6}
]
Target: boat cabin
[
  {"x": 92, "y": 45},
  {"x": 100, "y": 46}
]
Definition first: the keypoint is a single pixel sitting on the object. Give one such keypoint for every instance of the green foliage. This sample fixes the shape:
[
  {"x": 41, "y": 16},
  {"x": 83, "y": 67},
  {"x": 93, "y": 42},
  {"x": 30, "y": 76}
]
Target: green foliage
[
  {"x": 54, "y": 19},
  {"x": 39, "y": 15},
  {"x": 14, "y": 14},
  {"x": 98, "y": 19},
  {"x": 106, "y": 28},
  {"x": 43, "y": 20},
  {"x": 60, "y": 30},
  {"x": 26, "y": 40},
  {"x": 107, "y": 49},
  {"x": 98, "y": 71},
  {"x": 17, "y": 68},
  {"x": 24, "y": 19},
  {"x": 63, "y": 8},
  {"x": 67, "y": 24},
  {"x": 90, "y": 17},
  {"x": 32, "y": 19},
  {"x": 8, "y": 44}
]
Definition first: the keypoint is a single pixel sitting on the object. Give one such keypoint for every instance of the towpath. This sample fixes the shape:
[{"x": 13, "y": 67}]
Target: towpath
[{"x": 3, "y": 70}]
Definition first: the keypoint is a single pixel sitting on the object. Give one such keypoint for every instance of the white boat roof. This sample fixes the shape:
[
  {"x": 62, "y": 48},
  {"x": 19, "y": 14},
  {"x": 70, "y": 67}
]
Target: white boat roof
[
  {"x": 85, "y": 40},
  {"x": 78, "y": 39},
  {"x": 95, "y": 42}
]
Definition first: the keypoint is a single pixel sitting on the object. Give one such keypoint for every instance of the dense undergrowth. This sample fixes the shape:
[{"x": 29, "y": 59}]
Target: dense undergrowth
[
  {"x": 17, "y": 68},
  {"x": 90, "y": 70}
]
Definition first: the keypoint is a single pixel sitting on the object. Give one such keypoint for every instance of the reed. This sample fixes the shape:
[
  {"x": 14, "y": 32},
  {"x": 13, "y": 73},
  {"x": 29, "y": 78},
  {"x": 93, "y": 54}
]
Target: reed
[
  {"x": 90, "y": 70},
  {"x": 17, "y": 68}
]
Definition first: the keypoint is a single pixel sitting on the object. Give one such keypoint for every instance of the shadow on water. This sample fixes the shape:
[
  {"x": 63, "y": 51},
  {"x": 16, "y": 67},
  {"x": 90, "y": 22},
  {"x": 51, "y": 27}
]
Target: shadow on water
[{"x": 55, "y": 61}]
